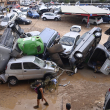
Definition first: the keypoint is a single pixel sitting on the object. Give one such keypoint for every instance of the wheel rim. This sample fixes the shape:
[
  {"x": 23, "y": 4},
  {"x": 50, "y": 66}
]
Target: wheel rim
[
  {"x": 13, "y": 81},
  {"x": 44, "y": 19},
  {"x": 56, "y": 19},
  {"x": 75, "y": 70}
]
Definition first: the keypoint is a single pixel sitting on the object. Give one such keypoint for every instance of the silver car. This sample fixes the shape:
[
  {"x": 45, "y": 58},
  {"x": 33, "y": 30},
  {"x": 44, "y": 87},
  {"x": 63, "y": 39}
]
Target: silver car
[{"x": 29, "y": 67}]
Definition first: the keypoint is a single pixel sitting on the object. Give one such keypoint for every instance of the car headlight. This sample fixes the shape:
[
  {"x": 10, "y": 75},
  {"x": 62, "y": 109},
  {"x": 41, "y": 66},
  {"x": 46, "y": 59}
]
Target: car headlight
[
  {"x": 68, "y": 52},
  {"x": 28, "y": 21},
  {"x": 79, "y": 55}
]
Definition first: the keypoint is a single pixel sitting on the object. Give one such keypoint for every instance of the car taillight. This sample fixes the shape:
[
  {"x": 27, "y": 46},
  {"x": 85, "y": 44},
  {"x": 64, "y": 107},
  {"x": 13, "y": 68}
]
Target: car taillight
[{"x": 6, "y": 68}]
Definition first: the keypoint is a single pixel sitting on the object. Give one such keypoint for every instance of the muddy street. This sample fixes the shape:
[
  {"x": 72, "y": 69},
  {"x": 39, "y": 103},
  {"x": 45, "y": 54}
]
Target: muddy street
[{"x": 86, "y": 90}]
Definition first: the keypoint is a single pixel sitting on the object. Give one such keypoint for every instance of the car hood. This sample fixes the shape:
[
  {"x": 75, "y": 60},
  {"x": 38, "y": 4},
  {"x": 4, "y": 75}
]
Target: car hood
[
  {"x": 23, "y": 16},
  {"x": 50, "y": 65},
  {"x": 35, "y": 14},
  {"x": 4, "y": 23},
  {"x": 67, "y": 48}
]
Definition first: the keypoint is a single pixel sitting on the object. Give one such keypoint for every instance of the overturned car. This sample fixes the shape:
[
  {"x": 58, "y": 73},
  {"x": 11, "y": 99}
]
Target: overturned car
[{"x": 85, "y": 47}]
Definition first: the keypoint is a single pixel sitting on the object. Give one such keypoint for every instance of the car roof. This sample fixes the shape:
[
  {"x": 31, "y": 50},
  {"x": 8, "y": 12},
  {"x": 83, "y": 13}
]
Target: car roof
[
  {"x": 23, "y": 59},
  {"x": 49, "y": 13},
  {"x": 46, "y": 34},
  {"x": 72, "y": 34},
  {"x": 8, "y": 15}
]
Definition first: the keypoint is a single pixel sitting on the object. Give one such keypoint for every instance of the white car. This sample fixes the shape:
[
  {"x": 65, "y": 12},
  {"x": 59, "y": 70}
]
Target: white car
[
  {"x": 20, "y": 14},
  {"x": 28, "y": 67},
  {"x": 68, "y": 41},
  {"x": 49, "y": 15},
  {"x": 32, "y": 33},
  {"x": 93, "y": 20},
  {"x": 24, "y": 10},
  {"x": 8, "y": 19},
  {"x": 1, "y": 17}
]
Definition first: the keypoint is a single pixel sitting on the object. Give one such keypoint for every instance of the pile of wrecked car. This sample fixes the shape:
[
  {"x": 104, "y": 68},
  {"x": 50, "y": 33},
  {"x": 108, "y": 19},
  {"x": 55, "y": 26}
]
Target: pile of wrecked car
[{"x": 25, "y": 56}]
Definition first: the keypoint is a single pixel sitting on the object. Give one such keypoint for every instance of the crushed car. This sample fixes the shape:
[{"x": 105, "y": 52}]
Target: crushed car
[
  {"x": 85, "y": 47},
  {"x": 68, "y": 41},
  {"x": 28, "y": 67}
]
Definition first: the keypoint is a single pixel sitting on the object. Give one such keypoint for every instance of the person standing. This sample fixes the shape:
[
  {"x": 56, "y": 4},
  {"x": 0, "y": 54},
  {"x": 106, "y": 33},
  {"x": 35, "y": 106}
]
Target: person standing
[{"x": 39, "y": 91}]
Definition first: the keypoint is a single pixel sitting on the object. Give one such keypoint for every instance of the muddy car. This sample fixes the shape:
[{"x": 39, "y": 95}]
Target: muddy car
[
  {"x": 100, "y": 60},
  {"x": 85, "y": 47},
  {"x": 107, "y": 101},
  {"x": 8, "y": 45},
  {"x": 28, "y": 67}
]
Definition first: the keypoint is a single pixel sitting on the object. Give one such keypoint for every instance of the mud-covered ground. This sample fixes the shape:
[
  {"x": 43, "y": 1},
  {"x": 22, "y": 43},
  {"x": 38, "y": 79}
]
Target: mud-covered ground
[{"x": 86, "y": 90}]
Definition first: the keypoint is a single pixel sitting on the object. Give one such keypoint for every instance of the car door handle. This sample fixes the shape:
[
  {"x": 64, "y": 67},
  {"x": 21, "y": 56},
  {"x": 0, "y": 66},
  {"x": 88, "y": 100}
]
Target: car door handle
[{"x": 25, "y": 71}]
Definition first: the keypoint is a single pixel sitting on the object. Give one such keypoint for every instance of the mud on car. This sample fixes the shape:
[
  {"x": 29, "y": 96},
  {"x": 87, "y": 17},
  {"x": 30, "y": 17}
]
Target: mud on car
[{"x": 84, "y": 47}]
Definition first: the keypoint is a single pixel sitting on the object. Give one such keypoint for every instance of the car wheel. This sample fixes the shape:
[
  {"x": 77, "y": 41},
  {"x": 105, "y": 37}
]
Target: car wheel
[
  {"x": 47, "y": 77},
  {"x": 24, "y": 23},
  {"x": 44, "y": 19},
  {"x": 83, "y": 21},
  {"x": 1, "y": 82},
  {"x": 13, "y": 81},
  {"x": 95, "y": 23},
  {"x": 56, "y": 19},
  {"x": 109, "y": 22}
]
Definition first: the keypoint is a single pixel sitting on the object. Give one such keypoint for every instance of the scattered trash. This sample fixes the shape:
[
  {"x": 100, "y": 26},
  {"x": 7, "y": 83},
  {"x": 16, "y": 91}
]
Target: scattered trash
[{"x": 64, "y": 84}]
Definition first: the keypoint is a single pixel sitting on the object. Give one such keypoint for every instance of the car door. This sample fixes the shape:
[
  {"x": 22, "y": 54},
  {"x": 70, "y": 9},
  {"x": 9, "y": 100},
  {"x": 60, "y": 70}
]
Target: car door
[
  {"x": 31, "y": 71},
  {"x": 105, "y": 69},
  {"x": 52, "y": 16},
  {"x": 16, "y": 70}
]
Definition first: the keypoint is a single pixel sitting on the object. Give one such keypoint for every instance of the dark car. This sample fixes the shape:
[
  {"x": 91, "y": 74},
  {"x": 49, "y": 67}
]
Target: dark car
[
  {"x": 106, "y": 18},
  {"x": 85, "y": 47},
  {"x": 107, "y": 101},
  {"x": 32, "y": 14},
  {"x": 49, "y": 37},
  {"x": 23, "y": 21}
]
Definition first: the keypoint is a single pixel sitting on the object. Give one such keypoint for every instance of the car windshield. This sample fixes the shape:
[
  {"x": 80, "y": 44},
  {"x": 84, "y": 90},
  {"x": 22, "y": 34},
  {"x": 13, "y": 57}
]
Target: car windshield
[
  {"x": 65, "y": 40},
  {"x": 40, "y": 62},
  {"x": 34, "y": 12},
  {"x": 24, "y": 10},
  {"x": 6, "y": 19}
]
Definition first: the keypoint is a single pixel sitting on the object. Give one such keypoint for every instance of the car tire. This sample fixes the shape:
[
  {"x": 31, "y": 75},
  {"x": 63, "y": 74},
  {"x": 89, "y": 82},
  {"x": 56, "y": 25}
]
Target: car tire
[
  {"x": 24, "y": 23},
  {"x": 109, "y": 22},
  {"x": 1, "y": 82},
  {"x": 13, "y": 81},
  {"x": 95, "y": 23},
  {"x": 56, "y": 19},
  {"x": 44, "y": 19},
  {"x": 83, "y": 21},
  {"x": 48, "y": 77}
]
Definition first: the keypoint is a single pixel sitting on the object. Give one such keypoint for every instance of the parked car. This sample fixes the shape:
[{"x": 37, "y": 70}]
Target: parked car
[
  {"x": 20, "y": 14},
  {"x": 17, "y": 6},
  {"x": 106, "y": 18},
  {"x": 84, "y": 47},
  {"x": 1, "y": 17},
  {"x": 33, "y": 33},
  {"x": 93, "y": 20},
  {"x": 24, "y": 10},
  {"x": 49, "y": 37},
  {"x": 33, "y": 14},
  {"x": 107, "y": 101},
  {"x": 29, "y": 67},
  {"x": 68, "y": 41},
  {"x": 7, "y": 47},
  {"x": 51, "y": 16},
  {"x": 8, "y": 19},
  {"x": 24, "y": 21}
]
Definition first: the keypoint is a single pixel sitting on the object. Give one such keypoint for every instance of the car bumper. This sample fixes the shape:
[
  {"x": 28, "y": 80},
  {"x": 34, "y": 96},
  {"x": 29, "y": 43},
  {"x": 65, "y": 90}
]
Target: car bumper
[{"x": 35, "y": 16}]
